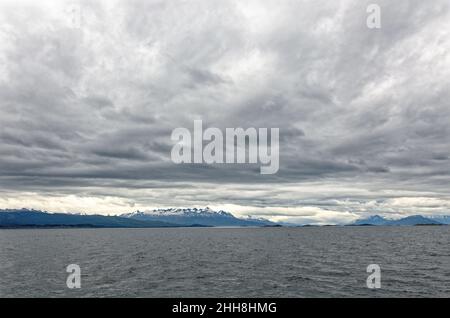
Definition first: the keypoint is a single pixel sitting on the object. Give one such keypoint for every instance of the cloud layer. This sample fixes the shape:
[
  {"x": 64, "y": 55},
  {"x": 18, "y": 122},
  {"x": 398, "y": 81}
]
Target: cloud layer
[{"x": 90, "y": 92}]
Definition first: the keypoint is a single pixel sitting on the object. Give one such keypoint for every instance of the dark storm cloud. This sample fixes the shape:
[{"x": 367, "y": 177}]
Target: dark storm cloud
[{"x": 88, "y": 110}]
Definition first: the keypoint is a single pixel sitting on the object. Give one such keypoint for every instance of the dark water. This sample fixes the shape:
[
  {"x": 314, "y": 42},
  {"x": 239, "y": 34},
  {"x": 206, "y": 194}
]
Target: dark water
[{"x": 219, "y": 262}]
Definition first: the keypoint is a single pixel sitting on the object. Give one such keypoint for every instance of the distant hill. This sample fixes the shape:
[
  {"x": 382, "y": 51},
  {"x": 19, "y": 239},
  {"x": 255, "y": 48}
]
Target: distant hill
[
  {"x": 190, "y": 216},
  {"x": 33, "y": 218},
  {"x": 409, "y": 220},
  {"x": 444, "y": 219},
  {"x": 372, "y": 220},
  {"x": 414, "y": 220}
]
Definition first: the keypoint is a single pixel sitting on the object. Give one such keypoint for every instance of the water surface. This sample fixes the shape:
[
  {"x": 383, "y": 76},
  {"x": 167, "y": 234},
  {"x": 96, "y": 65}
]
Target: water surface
[{"x": 226, "y": 262}]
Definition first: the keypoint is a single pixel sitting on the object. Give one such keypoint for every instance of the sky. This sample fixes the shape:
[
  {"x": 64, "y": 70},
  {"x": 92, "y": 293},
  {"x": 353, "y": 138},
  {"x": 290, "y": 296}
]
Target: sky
[{"x": 90, "y": 92}]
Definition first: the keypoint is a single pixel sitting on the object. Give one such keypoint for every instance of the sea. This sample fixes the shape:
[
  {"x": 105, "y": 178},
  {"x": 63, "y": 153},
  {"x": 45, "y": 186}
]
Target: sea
[{"x": 330, "y": 261}]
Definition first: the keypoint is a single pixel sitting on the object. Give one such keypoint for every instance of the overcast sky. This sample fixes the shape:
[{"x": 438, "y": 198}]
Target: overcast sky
[{"x": 88, "y": 103}]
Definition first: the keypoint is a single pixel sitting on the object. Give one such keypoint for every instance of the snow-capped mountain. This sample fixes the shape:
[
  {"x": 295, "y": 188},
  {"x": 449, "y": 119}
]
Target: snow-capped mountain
[
  {"x": 196, "y": 216},
  {"x": 207, "y": 212}
]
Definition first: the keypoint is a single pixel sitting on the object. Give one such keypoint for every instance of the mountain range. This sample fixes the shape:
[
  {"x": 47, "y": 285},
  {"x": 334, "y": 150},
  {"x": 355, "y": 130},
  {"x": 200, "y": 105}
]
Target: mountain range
[
  {"x": 157, "y": 218},
  {"x": 190, "y": 216},
  {"x": 406, "y": 221},
  {"x": 175, "y": 217},
  {"x": 32, "y": 218}
]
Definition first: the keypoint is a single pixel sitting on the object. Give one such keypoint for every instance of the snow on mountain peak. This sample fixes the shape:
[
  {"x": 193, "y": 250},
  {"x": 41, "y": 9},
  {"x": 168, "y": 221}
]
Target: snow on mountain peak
[{"x": 182, "y": 212}]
